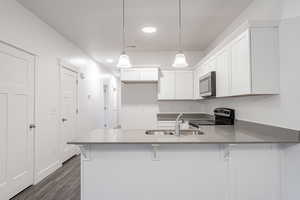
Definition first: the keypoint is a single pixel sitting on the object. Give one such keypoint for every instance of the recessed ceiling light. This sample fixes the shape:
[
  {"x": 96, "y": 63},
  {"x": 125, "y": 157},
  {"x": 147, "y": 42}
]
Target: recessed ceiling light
[
  {"x": 149, "y": 29},
  {"x": 109, "y": 60}
]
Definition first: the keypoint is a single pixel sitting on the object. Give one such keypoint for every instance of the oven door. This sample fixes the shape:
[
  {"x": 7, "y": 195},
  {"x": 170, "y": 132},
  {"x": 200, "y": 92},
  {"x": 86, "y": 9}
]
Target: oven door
[{"x": 207, "y": 85}]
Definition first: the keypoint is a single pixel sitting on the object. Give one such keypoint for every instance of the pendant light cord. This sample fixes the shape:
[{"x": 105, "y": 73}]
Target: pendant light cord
[
  {"x": 123, "y": 21},
  {"x": 180, "y": 28}
]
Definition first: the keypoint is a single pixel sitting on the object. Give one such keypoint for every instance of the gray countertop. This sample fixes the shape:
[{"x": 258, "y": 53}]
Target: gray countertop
[{"x": 241, "y": 132}]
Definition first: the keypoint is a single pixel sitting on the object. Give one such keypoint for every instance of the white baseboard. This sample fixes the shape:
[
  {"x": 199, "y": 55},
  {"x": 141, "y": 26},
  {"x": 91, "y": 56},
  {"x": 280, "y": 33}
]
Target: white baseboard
[{"x": 47, "y": 171}]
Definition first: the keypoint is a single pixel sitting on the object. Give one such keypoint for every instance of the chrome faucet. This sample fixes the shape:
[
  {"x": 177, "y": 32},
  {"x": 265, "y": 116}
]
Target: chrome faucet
[{"x": 177, "y": 124}]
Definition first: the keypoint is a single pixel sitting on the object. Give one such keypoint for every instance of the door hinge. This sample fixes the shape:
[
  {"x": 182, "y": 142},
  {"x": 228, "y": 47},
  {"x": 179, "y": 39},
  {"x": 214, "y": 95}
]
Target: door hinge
[{"x": 77, "y": 111}]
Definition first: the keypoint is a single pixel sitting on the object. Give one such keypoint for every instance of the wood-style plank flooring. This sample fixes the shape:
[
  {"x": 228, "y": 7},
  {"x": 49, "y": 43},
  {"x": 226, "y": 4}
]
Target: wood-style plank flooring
[{"x": 64, "y": 184}]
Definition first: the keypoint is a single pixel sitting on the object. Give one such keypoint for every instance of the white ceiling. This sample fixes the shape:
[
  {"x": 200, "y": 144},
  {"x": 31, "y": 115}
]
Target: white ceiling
[{"x": 95, "y": 25}]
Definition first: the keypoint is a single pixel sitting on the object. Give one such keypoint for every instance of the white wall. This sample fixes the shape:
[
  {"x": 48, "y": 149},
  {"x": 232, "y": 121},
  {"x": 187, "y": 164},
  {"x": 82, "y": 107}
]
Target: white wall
[
  {"x": 21, "y": 28},
  {"x": 140, "y": 106},
  {"x": 257, "y": 10}
]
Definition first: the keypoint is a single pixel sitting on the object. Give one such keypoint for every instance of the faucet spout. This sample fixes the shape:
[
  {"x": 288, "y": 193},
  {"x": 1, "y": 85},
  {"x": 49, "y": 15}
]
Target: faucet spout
[{"x": 177, "y": 124}]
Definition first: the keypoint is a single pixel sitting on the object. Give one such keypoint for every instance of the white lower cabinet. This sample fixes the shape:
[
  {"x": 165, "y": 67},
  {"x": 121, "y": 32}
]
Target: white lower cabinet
[{"x": 254, "y": 172}]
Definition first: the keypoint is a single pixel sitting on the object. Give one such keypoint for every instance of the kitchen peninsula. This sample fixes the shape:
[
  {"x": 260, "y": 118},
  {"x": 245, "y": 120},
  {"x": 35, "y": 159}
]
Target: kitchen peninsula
[{"x": 131, "y": 165}]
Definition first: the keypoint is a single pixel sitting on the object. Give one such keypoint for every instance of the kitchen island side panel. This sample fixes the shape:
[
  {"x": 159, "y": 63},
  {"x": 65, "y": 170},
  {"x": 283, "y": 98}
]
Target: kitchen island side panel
[
  {"x": 131, "y": 172},
  {"x": 181, "y": 171}
]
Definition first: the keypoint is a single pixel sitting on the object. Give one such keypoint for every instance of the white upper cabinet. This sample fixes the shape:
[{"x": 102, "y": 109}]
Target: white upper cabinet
[
  {"x": 176, "y": 85},
  {"x": 211, "y": 65},
  {"x": 240, "y": 65},
  {"x": 149, "y": 74},
  {"x": 223, "y": 73},
  {"x": 248, "y": 64},
  {"x": 255, "y": 62},
  {"x": 184, "y": 85},
  {"x": 139, "y": 75},
  {"x": 130, "y": 75},
  {"x": 265, "y": 61},
  {"x": 167, "y": 85},
  {"x": 197, "y": 74}
]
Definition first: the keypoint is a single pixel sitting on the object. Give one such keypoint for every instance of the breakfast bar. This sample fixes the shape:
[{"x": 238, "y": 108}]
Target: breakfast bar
[{"x": 138, "y": 164}]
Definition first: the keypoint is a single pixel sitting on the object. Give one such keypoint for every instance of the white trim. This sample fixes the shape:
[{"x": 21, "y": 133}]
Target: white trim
[
  {"x": 18, "y": 48},
  {"x": 35, "y": 141},
  {"x": 68, "y": 65},
  {"x": 62, "y": 64},
  {"x": 47, "y": 171}
]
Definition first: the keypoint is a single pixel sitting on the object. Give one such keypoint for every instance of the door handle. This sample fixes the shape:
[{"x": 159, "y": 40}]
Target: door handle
[
  {"x": 64, "y": 119},
  {"x": 31, "y": 126}
]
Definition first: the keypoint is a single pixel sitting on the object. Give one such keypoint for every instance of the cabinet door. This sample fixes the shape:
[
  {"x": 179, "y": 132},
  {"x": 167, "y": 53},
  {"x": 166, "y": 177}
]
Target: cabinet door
[
  {"x": 130, "y": 75},
  {"x": 184, "y": 85},
  {"x": 149, "y": 74},
  {"x": 196, "y": 83},
  {"x": 254, "y": 172},
  {"x": 167, "y": 85},
  {"x": 241, "y": 73},
  {"x": 222, "y": 73},
  {"x": 212, "y": 65}
]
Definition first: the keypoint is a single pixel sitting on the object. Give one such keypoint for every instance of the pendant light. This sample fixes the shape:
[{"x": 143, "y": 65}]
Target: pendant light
[
  {"x": 124, "y": 61},
  {"x": 180, "y": 60}
]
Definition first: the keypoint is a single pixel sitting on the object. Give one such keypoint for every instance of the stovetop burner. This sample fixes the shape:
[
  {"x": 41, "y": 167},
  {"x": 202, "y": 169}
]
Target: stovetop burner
[{"x": 222, "y": 116}]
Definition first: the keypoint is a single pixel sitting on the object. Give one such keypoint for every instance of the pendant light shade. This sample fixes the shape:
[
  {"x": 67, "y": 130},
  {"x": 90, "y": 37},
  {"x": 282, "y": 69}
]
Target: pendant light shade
[
  {"x": 124, "y": 61},
  {"x": 180, "y": 60}
]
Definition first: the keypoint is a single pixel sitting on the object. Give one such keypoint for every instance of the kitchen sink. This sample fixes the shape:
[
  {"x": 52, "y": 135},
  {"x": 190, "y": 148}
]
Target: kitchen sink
[
  {"x": 191, "y": 132},
  {"x": 184, "y": 132},
  {"x": 160, "y": 132}
]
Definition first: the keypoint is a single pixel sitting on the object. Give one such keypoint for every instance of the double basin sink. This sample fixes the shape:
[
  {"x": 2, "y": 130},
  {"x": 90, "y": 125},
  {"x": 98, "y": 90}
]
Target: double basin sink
[{"x": 184, "y": 132}]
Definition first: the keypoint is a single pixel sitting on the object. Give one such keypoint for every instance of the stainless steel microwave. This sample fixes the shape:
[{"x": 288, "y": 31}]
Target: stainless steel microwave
[{"x": 207, "y": 85}]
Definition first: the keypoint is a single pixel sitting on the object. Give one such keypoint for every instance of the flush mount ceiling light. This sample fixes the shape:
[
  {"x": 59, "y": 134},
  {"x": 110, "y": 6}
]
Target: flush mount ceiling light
[
  {"x": 180, "y": 60},
  {"x": 109, "y": 60},
  {"x": 124, "y": 61},
  {"x": 149, "y": 29}
]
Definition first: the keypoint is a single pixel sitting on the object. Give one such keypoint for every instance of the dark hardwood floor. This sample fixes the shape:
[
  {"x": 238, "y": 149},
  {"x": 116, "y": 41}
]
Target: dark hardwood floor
[{"x": 64, "y": 184}]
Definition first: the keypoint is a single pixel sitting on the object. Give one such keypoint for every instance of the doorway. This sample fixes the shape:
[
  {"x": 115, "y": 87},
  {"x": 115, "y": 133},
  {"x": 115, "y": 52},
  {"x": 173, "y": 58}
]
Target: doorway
[
  {"x": 69, "y": 110},
  {"x": 16, "y": 120},
  {"x": 106, "y": 105}
]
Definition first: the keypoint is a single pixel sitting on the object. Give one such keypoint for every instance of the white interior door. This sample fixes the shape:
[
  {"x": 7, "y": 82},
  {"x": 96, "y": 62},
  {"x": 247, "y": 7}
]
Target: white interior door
[
  {"x": 16, "y": 115},
  {"x": 106, "y": 105},
  {"x": 68, "y": 111}
]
